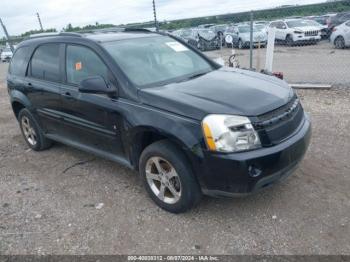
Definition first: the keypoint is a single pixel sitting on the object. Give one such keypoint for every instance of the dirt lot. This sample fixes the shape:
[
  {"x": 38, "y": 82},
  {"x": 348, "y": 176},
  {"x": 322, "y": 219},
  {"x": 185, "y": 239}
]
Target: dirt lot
[
  {"x": 48, "y": 204},
  {"x": 320, "y": 63}
]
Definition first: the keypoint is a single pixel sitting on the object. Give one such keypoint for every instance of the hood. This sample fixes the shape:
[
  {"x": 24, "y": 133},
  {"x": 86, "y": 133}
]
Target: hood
[
  {"x": 222, "y": 91},
  {"x": 307, "y": 28},
  {"x": 7, "y": 53}
]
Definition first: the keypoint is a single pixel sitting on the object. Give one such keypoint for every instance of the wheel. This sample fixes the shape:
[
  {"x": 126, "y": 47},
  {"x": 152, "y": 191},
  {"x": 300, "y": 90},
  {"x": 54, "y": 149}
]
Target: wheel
[
  {"x": 240, "y": 44},
  {"x": 289, "y": 40},
  {"x": 339, "y": 42},
  {"x": 168, "y": 177},
  {"x": 200, "y": 46},
  {"x": 31, "y": 131}
]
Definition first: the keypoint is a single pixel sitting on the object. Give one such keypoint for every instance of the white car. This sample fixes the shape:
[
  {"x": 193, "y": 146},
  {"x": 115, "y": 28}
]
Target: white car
[
  {"x": 6, "y": 55},
  {"x": 340, "y": 36},
  {"x": 296, "y": 31},
  {"x": 239, "y": 36}
]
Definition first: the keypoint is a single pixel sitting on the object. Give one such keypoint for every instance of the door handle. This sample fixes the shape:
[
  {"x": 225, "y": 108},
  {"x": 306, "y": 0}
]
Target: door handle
[{"x": 67, "y": 95}]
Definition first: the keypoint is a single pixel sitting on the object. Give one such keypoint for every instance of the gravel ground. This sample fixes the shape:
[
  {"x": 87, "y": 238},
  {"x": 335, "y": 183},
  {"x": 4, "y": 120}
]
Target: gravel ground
[
  {"x": 320, "y": 63},
  {"x": 50, "y": 202}
]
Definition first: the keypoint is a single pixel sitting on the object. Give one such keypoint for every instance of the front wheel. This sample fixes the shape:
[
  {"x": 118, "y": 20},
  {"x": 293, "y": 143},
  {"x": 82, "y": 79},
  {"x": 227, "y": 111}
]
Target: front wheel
[
  {"x": 240, "y": 44},
  {"x": 289, "y": 40},
  {"x": 168, "y": 177},
  {"x": 339, "y": 42}
]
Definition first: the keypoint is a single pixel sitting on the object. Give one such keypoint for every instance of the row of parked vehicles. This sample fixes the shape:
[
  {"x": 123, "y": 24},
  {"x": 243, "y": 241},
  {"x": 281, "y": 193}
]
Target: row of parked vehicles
[
  {"x": 5, "y": 54},
  {"x": 291, "y": 31}
]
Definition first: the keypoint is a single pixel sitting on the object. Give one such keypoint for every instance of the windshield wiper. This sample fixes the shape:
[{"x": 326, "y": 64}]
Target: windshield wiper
[{"x": 198, "y": 75}]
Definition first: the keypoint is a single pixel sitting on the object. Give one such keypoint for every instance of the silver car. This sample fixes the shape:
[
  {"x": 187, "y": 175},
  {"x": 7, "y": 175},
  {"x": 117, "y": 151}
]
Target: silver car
[{"x": 341, "y": 35}]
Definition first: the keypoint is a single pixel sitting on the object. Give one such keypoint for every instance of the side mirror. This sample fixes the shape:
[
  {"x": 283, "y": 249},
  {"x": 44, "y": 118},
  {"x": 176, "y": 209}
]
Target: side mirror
[{"x": 96, "y": 85}]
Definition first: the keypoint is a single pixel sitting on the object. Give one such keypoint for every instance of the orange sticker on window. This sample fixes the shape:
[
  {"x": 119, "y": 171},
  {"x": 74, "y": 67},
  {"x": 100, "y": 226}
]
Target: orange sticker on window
[{"x": 78, "y": 66}]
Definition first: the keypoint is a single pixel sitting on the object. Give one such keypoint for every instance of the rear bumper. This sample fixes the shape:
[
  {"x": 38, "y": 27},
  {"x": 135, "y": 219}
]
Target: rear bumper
[{"x": 245, "y": 173}]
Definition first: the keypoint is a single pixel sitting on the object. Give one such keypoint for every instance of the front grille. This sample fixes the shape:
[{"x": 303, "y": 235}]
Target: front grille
[
  {"x": 311, "y": 33},
  {"x": 277, "y": 125}
]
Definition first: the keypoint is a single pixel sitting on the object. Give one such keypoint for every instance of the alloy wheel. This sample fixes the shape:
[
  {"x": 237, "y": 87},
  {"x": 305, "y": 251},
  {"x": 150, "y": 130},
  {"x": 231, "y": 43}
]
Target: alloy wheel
[
  {"x": 28, "y": 131},
  {"x": 163, "y": 180}
]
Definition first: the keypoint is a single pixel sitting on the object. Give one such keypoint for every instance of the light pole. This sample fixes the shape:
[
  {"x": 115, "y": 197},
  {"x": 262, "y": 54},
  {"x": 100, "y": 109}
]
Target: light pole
[
  {"x": 41, "y": 25},
  {"x": 155, "y": 16},
  {"x": 7, "y": 36}
]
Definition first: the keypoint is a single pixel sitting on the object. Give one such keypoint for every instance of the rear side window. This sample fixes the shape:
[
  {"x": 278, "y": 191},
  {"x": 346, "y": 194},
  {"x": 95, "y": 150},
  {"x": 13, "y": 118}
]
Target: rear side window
[
  {"x": 82, "y": 62},
  {"x": 45, "y": 63},
  {"x": 19, "y": 62}
]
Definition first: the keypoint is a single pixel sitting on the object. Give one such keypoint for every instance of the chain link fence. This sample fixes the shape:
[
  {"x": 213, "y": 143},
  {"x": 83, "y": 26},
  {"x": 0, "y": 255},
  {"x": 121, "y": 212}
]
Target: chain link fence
[{"x": 312, "y": 48}]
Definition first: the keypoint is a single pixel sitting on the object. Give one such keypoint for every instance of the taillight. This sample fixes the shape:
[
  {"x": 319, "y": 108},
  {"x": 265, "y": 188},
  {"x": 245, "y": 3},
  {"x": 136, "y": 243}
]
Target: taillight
[{"x": 334, "y": 29}]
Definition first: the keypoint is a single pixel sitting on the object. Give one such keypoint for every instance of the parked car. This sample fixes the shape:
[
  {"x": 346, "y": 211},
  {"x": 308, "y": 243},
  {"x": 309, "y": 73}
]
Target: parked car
[
  {"x": 158, "y": 106},
  {"x": 341, "y": 35},
  {"x": 202, "y": 39},
  {"x": 6, "y": 55},
  {"x": 338, "y": 19},
  {"x": 239, "y": 36},
  {"x": 292, "y": 31},
  {"x": 325, "y": 32},
  {"x": 219, "y": 30}
]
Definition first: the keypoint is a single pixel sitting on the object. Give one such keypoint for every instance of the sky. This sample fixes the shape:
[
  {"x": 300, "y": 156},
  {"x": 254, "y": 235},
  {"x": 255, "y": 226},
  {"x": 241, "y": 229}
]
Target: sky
[{"x": 19, "y": 16}]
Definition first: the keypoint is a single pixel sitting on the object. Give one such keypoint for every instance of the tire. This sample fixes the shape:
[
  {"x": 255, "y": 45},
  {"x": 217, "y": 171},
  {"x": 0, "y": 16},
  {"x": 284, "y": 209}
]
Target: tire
[
  {"x": 31, "y": 131},
  {"x": 169, "y": 158},
  {"x": 240, "y": 44},
  {"x": 289, "y": 40},
  {"x": 339, "y": 42}
]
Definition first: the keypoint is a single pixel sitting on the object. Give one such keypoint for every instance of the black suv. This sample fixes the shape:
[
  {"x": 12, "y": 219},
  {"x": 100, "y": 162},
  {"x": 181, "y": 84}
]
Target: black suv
[{"x": 155, "y": 104}]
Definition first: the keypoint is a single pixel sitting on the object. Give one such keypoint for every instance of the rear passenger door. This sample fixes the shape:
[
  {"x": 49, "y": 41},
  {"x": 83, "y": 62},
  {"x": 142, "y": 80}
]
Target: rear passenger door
[
  {"x": 89, "y": 119},
  {"x": 43, "y": 85}
]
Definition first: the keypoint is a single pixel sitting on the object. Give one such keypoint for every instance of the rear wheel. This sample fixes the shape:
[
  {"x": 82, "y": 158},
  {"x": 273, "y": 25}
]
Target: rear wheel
[
  {"x": 32, "y": 132},
  {"x": 339, "y": 42},
  {"x": 168, "y": 177},
  {"x": 240, "y": 44}
]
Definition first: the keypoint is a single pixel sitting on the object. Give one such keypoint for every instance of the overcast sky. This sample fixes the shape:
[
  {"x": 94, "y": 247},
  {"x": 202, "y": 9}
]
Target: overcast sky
[{"x": 19, "y": 15}]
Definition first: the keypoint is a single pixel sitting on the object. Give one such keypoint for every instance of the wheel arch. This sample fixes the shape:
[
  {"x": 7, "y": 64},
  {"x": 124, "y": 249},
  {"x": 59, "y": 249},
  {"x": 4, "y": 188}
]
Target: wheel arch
[
  {"x": 19, "y": 101},
  {"x": 143, "y": 136}
]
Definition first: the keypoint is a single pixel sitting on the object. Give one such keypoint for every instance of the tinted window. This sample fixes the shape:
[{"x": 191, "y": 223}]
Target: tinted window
[
  {"x": 19, "y": 62},
  {"x": 82, "y": 63},
  {"x": 45, "y": 63}
]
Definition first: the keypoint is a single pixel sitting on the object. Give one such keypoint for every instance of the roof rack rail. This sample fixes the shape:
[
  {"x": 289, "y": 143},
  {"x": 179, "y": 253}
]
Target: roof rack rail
[
  {"x": 70, "y": 34},
  {"x": 51, "y": 34},
  {"x": 102, "y": 30}
]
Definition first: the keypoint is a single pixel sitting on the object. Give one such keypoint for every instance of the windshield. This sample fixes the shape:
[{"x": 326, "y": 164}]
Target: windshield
[
  {"x": 208, "y": 34},
  {"x": 298, "y": 23},
  {"x": 246, "y": 29},
  {"x": 260, "y": 27},
  {"x": 313, "y": 23},
  {"x": 156, "y": 60}
]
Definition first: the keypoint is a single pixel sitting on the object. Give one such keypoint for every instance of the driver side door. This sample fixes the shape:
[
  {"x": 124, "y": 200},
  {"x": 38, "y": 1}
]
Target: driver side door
[{"x": 90, "y": 120}]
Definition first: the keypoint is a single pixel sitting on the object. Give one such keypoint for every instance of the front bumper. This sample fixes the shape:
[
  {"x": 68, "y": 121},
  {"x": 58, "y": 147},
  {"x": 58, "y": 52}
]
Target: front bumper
[
  {"x": 303, "y": 38},
  {"x": 247, "y": 172}
]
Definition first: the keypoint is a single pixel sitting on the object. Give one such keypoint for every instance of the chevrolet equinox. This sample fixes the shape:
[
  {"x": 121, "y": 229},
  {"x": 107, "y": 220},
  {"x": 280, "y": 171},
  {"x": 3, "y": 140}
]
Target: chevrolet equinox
[{"x": 153, "y": 103}]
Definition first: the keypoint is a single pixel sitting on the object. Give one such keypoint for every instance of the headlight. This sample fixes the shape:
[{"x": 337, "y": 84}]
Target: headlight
[
  {"x": 227, "y": 133},
  {"x": 298, "y": 32}
]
